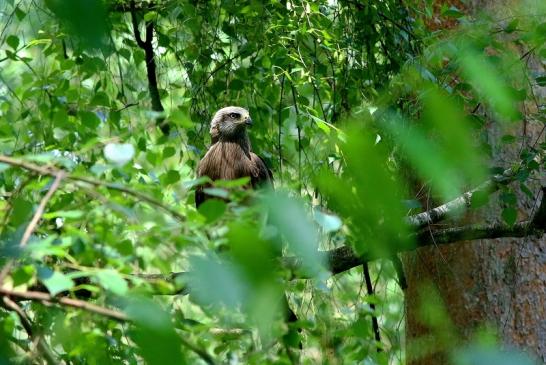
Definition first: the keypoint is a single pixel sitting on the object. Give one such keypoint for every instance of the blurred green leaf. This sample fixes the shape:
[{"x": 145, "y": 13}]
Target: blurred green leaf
[
  {"x": 111, "y": 280},
  {"x": 216, "y": 282},
  {"x": 475, "y": 355},
  {"x": 88, "y": 20},
  {"x": 482, "y": 75},
  {"x": 328, "y": 222},
  {"x": 22, "y": 211},
  {"x": 170, "y": 177},
  {"x": 212, "y": 209},
  {"x": 54, "y": 281},
  {"x": 12, "y": 41},
  {"x": 154, "y": 333},
  {"x": 289, "y": 217},
  {"x": 509, "y": 215}
]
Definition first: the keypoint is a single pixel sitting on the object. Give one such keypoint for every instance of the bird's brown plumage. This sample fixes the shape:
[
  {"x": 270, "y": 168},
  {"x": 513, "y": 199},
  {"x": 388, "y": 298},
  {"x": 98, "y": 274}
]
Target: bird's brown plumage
[{"x": 230, "y": 156}]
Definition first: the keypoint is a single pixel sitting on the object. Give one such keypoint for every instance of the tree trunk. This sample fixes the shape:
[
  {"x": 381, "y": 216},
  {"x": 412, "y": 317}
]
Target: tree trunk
[{"x": 498, "y": 283}]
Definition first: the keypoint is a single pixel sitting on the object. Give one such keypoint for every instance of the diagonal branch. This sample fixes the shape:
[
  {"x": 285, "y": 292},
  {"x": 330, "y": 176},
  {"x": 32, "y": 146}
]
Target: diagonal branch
[
  {"x": 439, "y": 213},
  {"x": 34, "y": 221},
  {"x": 465, "y": 200}
]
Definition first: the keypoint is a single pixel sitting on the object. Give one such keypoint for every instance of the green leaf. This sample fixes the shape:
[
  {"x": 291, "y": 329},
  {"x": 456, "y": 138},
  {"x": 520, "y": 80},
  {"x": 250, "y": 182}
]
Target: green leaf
[
  {"x": 509, "y": 215},
  {"x": 22, "y": 210},
  {"x": 290, "y": 218},
  {"x": 89, "y": 119},
  {"x": 232, "y": 183},
  {"x": 12, "y": 41},
  {"x": 216, "y": 282},
  {"x": 23, "y": 274},
  {"x": 149, "y": 16},
  {"x": 70, "y": 214},
  {"x": 168, "y": 152},
  {"x": 154, "y": 333},
  {"x": 512, "y": 26},
  {"x": 508, "y": 139},
  {"x": 20, "y": 14},
  {"x": 170, "y": 177},
  {"x": 236, "y": 85},
  {"x": 217, "y": 192},
  {"x": 55, "y": 282},
  {"x": 508, "y": 197},
  {"x": 111, "y": 280},
  {"x": 212, "y": 209},
  {"x": 452, "y": 12},
  {"x": 485, "y": 78}
]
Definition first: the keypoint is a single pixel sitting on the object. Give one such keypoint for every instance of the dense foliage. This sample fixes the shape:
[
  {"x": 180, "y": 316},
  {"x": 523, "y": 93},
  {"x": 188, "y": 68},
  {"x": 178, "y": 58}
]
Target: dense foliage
[{"x": 363, "y": 111}]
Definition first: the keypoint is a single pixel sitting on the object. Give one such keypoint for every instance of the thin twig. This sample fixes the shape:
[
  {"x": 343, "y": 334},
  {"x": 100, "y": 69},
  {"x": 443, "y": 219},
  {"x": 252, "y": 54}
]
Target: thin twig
[
  {"x": 34, "y": 221},
  {"x": 27, "y": 325},
  {"x": 41, "y": 207},
  {"x": 53, "y": 171},
  {"x": 280, "y": 127},
  {"x": 75, "y": 303},
  {"x": 369, "y": 289}
]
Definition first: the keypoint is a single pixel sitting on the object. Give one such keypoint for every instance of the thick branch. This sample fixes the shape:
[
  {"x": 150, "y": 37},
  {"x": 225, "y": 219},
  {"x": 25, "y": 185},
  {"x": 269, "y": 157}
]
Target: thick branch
[{"x": 344, "y": 258}]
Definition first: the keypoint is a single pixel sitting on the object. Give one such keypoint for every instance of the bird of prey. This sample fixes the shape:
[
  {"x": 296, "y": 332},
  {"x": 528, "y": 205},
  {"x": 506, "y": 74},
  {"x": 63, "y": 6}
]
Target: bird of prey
[{"x": 230, "y": 156}]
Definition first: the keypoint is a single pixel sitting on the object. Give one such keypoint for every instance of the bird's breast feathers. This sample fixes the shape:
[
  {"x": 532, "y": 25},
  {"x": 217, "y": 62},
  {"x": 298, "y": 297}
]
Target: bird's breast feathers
[{"x": 227, "y": 161}]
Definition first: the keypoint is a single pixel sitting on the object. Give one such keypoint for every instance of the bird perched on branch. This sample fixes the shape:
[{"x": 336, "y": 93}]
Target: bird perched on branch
[{"x": 230, "y": 156}]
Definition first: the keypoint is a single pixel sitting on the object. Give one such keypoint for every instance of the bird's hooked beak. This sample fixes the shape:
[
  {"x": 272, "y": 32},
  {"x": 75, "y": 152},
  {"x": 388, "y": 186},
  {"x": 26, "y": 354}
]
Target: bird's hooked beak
[{"x": 247, "y": 120}]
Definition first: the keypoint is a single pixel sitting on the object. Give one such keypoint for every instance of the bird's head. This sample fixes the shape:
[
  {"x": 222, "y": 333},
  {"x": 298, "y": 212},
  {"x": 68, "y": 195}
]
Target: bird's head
[{"x": 230, "y": 122}]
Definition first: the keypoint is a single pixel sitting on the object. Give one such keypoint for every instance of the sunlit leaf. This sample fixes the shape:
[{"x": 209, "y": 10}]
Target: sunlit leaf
[
  {"x": 54, "y": 281},
  {"x": 119, "y": 153}
]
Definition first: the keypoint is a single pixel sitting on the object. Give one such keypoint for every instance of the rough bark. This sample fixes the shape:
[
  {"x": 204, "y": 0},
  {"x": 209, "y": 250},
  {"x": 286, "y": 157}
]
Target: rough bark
[{"x": 496, "y": 282}]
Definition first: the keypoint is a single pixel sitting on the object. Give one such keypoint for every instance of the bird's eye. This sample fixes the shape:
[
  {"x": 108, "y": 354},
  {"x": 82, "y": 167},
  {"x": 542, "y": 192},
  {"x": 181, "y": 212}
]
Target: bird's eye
[{"x": 234, "y": 115}]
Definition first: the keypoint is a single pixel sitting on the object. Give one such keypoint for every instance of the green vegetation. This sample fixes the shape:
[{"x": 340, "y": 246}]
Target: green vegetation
[{"x": 358, "y": 106}]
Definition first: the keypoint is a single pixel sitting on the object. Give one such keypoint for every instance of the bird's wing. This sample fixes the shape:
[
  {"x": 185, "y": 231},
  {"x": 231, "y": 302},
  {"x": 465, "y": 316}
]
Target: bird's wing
[{"x": 261, "y": 175}]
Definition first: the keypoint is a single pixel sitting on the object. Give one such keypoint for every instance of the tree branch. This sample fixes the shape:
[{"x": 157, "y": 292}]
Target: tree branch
[
  {"x": 51, "y": 171},
  {"x": 465, "y": 200},
  {"x": 69, "y": 302},
  {"x": 344, "y": 258},
  {"x": 83, "y": 305},
  {"x": 147, "y": 46},
  {"x": 27, "y": 325},
  {"x": 34, "y": 221}
]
